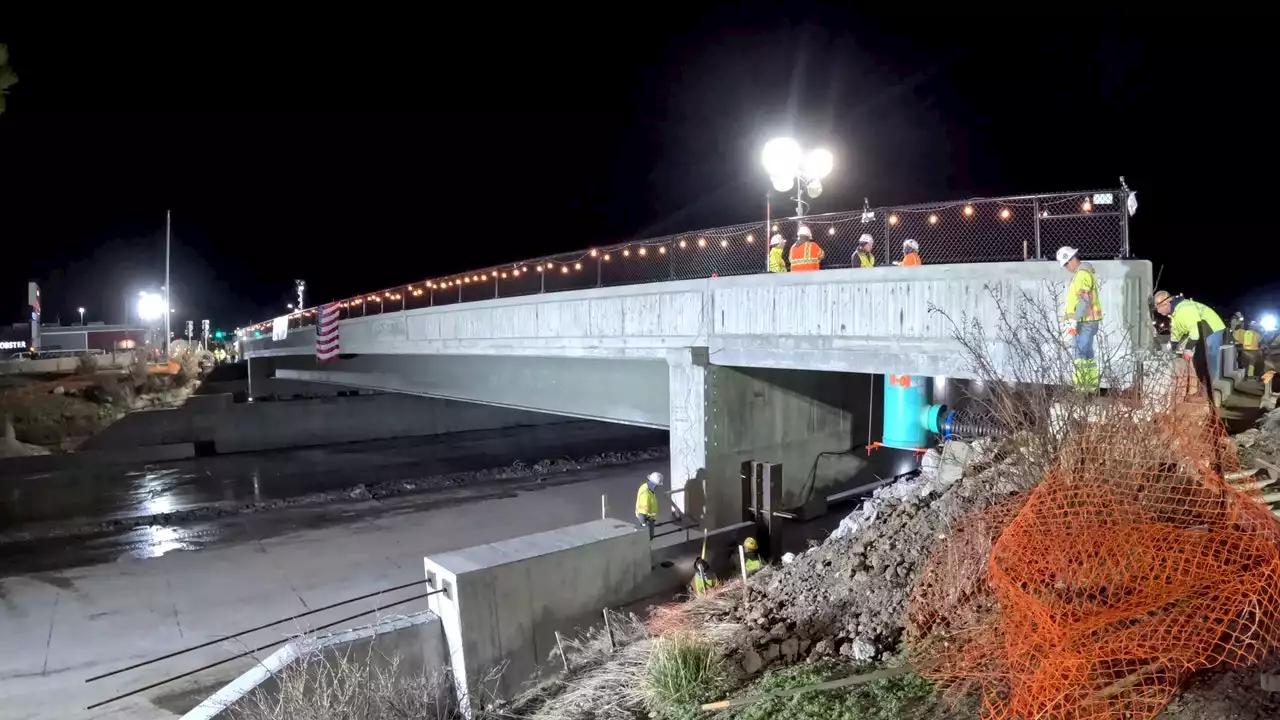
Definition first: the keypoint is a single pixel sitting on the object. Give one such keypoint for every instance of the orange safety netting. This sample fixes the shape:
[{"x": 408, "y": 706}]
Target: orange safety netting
[{"x": 1132, "y": 565}]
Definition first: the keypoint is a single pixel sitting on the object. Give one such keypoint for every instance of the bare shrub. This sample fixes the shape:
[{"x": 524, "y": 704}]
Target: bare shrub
[
  {"x": 1025, "y": 367},
  {"x": 351, "y": 687}
]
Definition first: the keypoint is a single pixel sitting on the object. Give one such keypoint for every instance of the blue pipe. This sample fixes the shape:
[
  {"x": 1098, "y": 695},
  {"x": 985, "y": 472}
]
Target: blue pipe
[{"x": 908, "y": 419}]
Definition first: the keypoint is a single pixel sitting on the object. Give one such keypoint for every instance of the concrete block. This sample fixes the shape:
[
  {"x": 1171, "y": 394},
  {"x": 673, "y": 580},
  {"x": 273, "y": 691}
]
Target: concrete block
[
  {"x": 210, "y": 403},
  {"x": 503, "y": 602}
]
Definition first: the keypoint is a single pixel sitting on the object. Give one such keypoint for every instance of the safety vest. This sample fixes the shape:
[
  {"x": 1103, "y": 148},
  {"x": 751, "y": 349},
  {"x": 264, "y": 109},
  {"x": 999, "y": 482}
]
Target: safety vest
[
  {"x": 1184, "y": 320},
  {"x": 1247, "y": 339},
  {"x": 753, "y": 563},
  {"x": 864, "y": 260},
  {"x": 701, "y": 583},
  {"x": 1083, "y": 289},
  {"x": 776, "y": 263},
  {"x": 646, "y": 502},
  {"x": 912, "y": 260},
  {"x": 805, "y": 256}
]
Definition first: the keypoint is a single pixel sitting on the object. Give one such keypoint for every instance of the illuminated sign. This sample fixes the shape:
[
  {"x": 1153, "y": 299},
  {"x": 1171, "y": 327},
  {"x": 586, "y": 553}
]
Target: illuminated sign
[{"x": 13, "y": 344}]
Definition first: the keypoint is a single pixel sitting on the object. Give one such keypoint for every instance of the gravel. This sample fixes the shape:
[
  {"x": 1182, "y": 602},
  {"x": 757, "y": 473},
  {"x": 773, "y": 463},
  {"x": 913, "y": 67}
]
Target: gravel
[{"x": 848, "y": 596}]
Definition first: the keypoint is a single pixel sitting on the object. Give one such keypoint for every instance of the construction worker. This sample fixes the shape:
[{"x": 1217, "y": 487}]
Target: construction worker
[
  {"x": 752, "y": 552},
  {"x": 703, "y": 578},
  {"x": 910, "y": 254},
  {"x": 863, "y": 257},
  {"x": 1189, "y": 323},
  {"x": 647, "y": 500},
  {"x": 805, "y": 254},
  {"x": 1082, "y": 314},
  {"x": 777, "y": 262},
  {"x": 1248, "y": 344}
]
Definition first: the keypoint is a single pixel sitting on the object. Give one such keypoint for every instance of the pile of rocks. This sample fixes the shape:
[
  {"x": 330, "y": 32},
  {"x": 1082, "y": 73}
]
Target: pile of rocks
[
  {"x": 848, "y": 596},
  {"x": 1261, "y": 442}
]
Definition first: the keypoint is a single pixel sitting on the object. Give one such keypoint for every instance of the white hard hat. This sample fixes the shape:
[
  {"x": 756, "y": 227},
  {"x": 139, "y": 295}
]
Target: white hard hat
[
  {"x": 655, "y": 478},
  {"x": 777, "y": 240},
  {"x": 866, "y": 239},
  {"x": 804, "y": 231},
  {"x": 910, "y": 245},
  {"x": 1065, "y": 253}
]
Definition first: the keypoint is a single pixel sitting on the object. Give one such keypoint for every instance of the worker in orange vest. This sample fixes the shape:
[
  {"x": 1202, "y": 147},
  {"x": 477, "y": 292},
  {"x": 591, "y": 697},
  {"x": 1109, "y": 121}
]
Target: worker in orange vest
[
  {"x": 910, "y": 254},
  {"x": 805, "y": 253}
]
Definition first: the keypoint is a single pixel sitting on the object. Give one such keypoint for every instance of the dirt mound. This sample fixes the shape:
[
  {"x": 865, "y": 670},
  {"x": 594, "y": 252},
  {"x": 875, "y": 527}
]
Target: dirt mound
[{"x": 848, "y": 596}]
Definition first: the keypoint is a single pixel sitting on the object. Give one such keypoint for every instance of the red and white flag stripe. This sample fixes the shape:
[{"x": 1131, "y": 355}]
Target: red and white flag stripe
[{"x": 327, "y": 344}]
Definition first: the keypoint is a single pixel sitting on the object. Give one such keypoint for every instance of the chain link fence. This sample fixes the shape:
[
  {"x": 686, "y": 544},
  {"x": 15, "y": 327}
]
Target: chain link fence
[{"x": 1028, "y": 227}]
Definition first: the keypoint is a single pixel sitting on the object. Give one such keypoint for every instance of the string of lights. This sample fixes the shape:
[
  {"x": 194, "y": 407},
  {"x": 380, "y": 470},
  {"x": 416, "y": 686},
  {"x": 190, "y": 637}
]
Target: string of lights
[{"x": 1025, "y": 227}]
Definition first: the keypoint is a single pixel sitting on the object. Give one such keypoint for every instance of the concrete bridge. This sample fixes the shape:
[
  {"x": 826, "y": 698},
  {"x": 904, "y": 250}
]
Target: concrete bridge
[{"x": 779, "y": 368}]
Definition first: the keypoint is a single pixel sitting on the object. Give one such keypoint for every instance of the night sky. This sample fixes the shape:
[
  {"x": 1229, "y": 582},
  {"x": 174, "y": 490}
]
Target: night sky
[{"x": 364, "y": 152}]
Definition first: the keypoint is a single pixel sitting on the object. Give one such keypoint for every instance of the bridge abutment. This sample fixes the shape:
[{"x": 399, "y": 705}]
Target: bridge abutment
[{"x": 816, "y": 424}]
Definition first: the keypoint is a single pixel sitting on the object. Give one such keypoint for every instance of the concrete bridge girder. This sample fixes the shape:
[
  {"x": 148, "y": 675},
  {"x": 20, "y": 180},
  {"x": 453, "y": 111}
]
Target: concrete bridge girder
[{"x": 778, "y": 368}]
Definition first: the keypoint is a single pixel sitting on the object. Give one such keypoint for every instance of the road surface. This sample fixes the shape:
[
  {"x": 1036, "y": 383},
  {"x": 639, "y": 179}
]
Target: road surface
[
  {"x": 77, "y": 605},
  {"x": 59, "y": 627}
]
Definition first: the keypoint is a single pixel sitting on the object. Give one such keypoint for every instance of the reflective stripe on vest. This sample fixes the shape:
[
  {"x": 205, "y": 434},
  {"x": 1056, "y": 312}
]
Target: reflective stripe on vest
[{"x": 808, "y": 257}]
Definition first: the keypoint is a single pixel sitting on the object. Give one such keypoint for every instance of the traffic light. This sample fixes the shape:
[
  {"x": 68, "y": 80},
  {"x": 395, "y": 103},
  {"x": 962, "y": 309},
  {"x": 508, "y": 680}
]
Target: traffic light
[{"x": 218, "y": 335}]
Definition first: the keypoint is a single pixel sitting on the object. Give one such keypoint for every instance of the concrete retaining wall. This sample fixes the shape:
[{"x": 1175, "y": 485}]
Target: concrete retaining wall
[
  {"x": 416, "y": 640},
  {"x": 218, "y": 425},
  {"x": 503, "y": 602},
  {"x": 68, "y": 364}
]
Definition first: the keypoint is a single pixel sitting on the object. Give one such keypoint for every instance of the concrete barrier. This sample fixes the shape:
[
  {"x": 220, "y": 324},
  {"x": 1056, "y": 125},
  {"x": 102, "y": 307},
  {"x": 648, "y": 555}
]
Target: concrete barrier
[
  {"x": 66, "y": 364},
  {"x": 503, "y": 602},
  {"x": 417, "y": 642}
]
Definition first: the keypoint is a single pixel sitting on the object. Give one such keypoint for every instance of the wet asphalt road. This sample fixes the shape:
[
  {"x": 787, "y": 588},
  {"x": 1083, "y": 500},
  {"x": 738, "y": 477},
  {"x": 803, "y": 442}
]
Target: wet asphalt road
[{"x": 74, "y": 498}]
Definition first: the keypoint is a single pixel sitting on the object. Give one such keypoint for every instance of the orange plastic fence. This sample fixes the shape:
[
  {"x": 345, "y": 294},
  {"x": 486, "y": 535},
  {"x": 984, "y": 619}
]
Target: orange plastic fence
[{"x": 1132, "y": 565}]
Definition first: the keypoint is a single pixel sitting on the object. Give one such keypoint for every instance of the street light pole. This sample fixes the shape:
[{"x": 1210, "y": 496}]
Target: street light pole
[
  {"x": 167, "y": 313},
  {"x": 81, "y": 316},
  {"x": 789, "y": 166}
]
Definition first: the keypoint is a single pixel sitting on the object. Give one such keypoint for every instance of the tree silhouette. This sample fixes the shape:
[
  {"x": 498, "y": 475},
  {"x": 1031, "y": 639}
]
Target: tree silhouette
[{"x": 7, "y": 76}]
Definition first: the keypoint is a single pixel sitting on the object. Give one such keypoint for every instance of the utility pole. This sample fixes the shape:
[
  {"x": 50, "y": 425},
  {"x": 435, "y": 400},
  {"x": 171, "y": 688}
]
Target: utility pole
[{"x": 167, "y": 307}]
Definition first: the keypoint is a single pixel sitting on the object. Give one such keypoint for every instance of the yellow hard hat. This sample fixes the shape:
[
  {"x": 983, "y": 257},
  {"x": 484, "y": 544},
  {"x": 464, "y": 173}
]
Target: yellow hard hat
[{"x": 750, "y": 545}]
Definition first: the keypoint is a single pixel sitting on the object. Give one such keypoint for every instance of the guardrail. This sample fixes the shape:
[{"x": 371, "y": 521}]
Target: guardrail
[{"x": 1023, "y": 227}]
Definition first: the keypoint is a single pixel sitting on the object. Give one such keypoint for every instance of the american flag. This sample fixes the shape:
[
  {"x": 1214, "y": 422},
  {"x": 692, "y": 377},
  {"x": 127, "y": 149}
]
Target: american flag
[{"x": 327, "y": 345}]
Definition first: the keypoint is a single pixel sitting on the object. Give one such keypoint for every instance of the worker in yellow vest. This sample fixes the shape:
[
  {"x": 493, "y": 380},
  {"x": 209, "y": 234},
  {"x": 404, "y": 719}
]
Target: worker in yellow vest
[
  {"x": 864, "y": 258},
  {"x": 1248, "y": 344},
  {"x": 703, "y": 578},
  {"x": 1082, "y": 314},
  {"x": 751, "y": 551},
  {"x": 647, "y": 500},
  {"x": 777, "y": 262},
  {"x": 805, "y": 254},
  {"x": 1190, "y": 322}
]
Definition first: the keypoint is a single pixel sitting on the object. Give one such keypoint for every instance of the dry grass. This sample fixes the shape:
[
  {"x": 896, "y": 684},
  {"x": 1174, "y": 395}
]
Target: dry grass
[
  {"x": 351, "y": 687},
  {"x": 604, "y": 681},
  {"x": 698, "y": 613}
]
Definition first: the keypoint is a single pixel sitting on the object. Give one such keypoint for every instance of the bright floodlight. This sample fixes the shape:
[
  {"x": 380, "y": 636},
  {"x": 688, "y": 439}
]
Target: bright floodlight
[
  {"x": 818, "y": 164},
  {"x": 814, "y": 188},
  {"x": 782, "y": 183},
  {"x": 1268, "y": 323},
  {"x": 150, "y": 306},
  {"x": 782, "y": 158}
]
